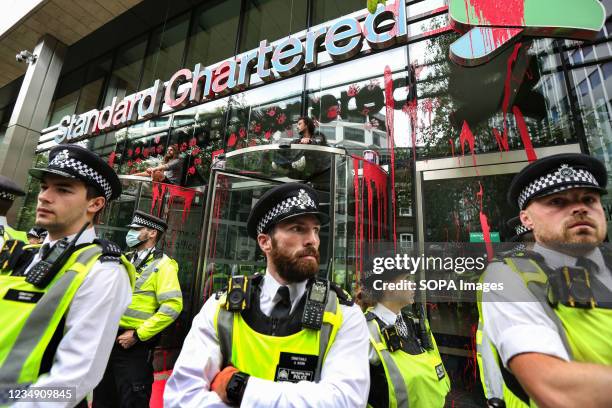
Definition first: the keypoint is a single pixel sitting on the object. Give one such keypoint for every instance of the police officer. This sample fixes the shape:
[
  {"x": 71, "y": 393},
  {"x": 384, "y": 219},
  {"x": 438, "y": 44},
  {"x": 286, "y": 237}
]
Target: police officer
[
  {"x": 156, "y": 303},
  {"x": 9, "y": 191},
  {"x": 552, "y": 323},
  {"x": 488, "y": 360},
  {"x": 70, "y": 293},
  {"x": 284, "y": 339},
  {"x": 406, "y": 369},
  {"x": 36, "y": 235}
]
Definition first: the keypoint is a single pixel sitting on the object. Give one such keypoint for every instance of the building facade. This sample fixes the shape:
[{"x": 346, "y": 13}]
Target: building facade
[{"x": 123, "y": 81}]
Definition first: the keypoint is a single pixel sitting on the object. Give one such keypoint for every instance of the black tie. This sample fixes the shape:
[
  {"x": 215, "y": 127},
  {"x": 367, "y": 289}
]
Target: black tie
[
  {"x": 283, "y": 305},
  {"x": 44, "y": 250},
  {"x": 587, "y": 264}
]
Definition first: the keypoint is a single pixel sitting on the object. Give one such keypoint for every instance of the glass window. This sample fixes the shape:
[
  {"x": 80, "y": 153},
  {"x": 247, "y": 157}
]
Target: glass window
[
  {"x": 165, "y": 51},
  {"x": 595, "y": 79},
  {"x": 265, "y": 115},
  {"x": 125, "y": 78},
  {"x": 198, "y": 134},
  {"x": 607, "y": 69},
  {"x": 66, "y": 96},
  {"x": 213, "y": 35},
  {"x": 326, "y": 10},
  {"x": 97, "y": 73},
  {"x": 453, "y": 108},
  {"x": 584, "y": 88},
  {"x": 271, "y": 20}
]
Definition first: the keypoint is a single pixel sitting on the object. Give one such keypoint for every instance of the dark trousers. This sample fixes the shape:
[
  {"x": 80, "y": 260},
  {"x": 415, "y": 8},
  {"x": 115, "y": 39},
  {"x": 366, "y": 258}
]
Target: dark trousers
[{"x": 128, "y": 378}]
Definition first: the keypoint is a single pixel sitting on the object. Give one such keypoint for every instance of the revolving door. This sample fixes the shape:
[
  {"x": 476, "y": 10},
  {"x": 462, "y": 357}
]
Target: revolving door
[{"x": 344, "y": 182}]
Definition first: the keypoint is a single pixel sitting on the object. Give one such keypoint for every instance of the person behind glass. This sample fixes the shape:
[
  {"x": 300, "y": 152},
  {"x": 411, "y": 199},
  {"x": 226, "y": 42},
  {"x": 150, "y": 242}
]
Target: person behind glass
[
  {"x": 308, "y": 135},
  {"x": 292, "y": 339},
  {"x": 170, "y": 171},
  {"x": 406, "y": 369},
  {"x": 552, "y": 323},
  {"x": 156, "y": 303},
  {"x": 68, "y": 294}
]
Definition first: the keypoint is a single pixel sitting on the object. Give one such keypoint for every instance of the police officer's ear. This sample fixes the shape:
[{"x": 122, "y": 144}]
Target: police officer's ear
[
  {"x": 96, "y": 204},
  {"x": 265, "y": 242},
  {"x": 526, "y": 219},
  {"x": 153, "y": 233}
]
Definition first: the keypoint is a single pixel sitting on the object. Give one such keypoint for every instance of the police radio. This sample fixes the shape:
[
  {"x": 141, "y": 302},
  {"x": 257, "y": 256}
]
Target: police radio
[
  {"x": 392, "y": 339},
  {"x": 43, "y": 272},
  {"x": 312, "y": 318}
]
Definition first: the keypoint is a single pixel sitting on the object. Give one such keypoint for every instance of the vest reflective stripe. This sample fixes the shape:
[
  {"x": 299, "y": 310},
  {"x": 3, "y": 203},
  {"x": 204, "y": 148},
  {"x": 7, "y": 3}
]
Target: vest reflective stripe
[
  {"x": 23, "y": 360},
  {"x": 146, "y": 293},
  {"x": 226, "y": 321},
  {"x": 165, "y": 309},
  {"x": 169, "y": 295},
  {"x": 397, "y": 387},
  {"x": 148, "y": 270},
  {"x": 137, "y": 314}
]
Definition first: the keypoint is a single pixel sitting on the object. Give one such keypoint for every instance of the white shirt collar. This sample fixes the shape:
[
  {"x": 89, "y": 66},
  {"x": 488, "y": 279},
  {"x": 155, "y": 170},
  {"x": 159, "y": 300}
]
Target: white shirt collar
[
  {"x": 270, "y": 287},
  {"x": 89, "y": 235},
  {"x": 3, "y": 221},
  {"x": 384, "y": 313},
  {"x": 555, "y": 259}
]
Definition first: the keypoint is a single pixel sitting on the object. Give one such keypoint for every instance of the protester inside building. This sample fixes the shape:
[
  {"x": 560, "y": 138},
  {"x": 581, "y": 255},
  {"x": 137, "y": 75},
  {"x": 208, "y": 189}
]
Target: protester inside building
[{"x": 170, "y": 171}]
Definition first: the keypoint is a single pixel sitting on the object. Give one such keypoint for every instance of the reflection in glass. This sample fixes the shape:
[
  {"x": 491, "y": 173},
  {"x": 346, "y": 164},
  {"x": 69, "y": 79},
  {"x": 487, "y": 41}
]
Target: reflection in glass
[
  {"x": 165, "y": 51},
  {"x": 265, "y": 115},
  {"x": 271, "y": 20},
  {"x": 213, "y": 34},
  {"x": 326, "y": 10},
  {"x": 125, "y": 79}
]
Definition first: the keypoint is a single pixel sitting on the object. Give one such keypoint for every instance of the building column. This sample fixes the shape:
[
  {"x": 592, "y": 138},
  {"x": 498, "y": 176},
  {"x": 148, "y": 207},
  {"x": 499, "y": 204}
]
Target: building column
[{"x": 18, "y": 146}]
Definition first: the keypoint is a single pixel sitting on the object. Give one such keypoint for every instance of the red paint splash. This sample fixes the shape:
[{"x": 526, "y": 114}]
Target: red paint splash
[
  {"x": 467, "y": 136},
  {"x": 484, "y": 224},
  {"x": 507, "y": 92},
  {"x": 389, "y": 122},
  {"x": 111, "y": 159},
  {"x": 373, "y": 183},
  {"x": 410, "y": 109},
  {"x": 520, "y": 122},
  {"x": 507, "y": 13},
  {"x": 159, "y": 191},
  {"x": 452, "y": 146}
]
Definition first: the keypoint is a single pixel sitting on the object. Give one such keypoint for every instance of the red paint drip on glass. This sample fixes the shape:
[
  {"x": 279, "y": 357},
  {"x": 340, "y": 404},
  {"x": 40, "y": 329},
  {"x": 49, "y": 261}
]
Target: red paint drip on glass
[
  {"x": 389, "y": 122},
  {"x": 520, "y": 123},
  {"x": 484, "y": 224}
]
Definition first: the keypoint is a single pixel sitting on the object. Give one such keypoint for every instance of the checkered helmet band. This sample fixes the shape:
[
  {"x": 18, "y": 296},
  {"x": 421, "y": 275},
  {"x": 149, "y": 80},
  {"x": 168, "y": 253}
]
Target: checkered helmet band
[
  {"x": 564, "y": 178},
  {"x": 521, "y": 229},
  {"x": 138, "y": 220},
  {"x": 5, "y": 195},
  {"x": 63, "y": 161},
  {"x": 300, "y": 202}
]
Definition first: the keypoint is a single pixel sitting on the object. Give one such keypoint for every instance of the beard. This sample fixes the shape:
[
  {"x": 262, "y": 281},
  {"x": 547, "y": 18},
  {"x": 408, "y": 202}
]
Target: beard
[
  {"x": 294, "y": 268},
  {"x": 572, "y": 240},
  {"x": 168, "y": 157}
]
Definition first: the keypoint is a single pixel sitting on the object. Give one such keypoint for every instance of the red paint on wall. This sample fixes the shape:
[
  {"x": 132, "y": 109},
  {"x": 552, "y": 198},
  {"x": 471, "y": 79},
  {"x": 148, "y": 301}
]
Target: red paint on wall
[
  {"x": 389, "y": 122},
  {"x": 503, "y": 139},
  {"x": 467, "y": 136},
  {"x": 499, "y": 13},
  {"x": 484, "y": 224},
  {"x": 111, "y": 159},
  {"x": 520, "y": 122},
  {"x": 159, "y": 191}
]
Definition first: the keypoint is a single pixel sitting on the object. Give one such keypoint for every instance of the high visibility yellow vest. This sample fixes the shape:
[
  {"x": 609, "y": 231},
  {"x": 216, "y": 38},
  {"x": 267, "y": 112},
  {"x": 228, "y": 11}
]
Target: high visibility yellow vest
[
  {"x": 10, "y": 233},
  {"x": 30, "y": 315},
  {"x": 259, "y": 355},
  {"x": 157, "y": 300},
  {"x": 585, "y": 332},
  {"x": 418, "y": 380}
]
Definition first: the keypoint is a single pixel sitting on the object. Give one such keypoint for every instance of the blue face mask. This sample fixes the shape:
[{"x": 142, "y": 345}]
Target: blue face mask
[{"x": 131, "y": 239}]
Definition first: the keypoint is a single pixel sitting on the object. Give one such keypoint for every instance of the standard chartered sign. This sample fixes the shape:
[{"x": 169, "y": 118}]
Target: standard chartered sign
[{"x": 342, "y": 40}]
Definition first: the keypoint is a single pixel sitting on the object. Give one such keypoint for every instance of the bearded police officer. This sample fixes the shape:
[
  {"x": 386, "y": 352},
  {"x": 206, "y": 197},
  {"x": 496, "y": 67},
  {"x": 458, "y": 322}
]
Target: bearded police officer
[
  {"x": 61, "y": 305},
  {"x": 9, "y": 191},
  {"x": 156, "y": 303},
  {"x": 286, "y": 339},
  {"x": 552, "y": 323}
]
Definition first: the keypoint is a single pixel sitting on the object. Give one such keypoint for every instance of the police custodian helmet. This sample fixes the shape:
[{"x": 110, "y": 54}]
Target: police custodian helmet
[
  {"x": 281, "y": 203},
  {"x": 557, "y": 173},
  {"x": 77, "y": 162}
]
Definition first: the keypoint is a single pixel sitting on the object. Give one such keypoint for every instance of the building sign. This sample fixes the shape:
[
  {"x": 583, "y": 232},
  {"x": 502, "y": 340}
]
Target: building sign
[
  {"x": 341, "y": 40},
  {"x": 479, "y": 237},
  {"x": 491, "y": 25}
]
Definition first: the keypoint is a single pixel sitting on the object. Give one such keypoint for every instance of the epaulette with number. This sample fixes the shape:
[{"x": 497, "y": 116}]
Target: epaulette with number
[
  {"x": 343, "y": 296},
  {"x": 111, "y": 252}
]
